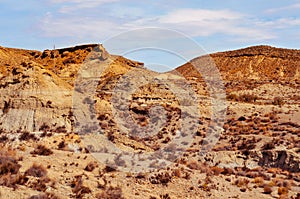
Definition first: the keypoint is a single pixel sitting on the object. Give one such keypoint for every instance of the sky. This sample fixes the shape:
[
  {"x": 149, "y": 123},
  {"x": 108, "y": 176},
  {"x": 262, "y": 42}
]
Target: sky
[{"x": 215, "y": 25}]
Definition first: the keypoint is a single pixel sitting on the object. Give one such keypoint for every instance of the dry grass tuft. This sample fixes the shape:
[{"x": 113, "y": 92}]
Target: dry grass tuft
[
  {"x": 91, "y": 166},
  {"x": 161, "y": 178},
  {"x": 78, "y": 188},
  {"x": 36, "y": 171},
  {"x": 44, "y": 196},
  {"x": 9, "y": 169},
  {"x": 41, "y": 150},
  {"x": 111, "y": 193}
]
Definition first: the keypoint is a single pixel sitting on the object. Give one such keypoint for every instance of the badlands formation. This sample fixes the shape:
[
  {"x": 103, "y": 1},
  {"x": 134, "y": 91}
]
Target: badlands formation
[{"x": 54, "y": 102}]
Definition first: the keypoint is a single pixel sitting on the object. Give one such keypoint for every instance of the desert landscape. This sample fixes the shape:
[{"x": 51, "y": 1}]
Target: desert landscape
[{"x": 50, "y": 109}]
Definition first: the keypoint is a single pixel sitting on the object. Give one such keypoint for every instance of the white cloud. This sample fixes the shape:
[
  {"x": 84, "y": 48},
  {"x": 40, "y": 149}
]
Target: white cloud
[
  {"x": 198, "y": 15},
  {"x": 285, "y": 8},
  {"x": 281, "y": 23},
  {"x": 200, "y": 22},
  {"x": 193, "y": 22},
  {"x": 79, "y": 4}
]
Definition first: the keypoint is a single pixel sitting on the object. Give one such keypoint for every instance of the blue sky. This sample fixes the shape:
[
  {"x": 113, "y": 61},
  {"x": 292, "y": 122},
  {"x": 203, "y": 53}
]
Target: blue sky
[{"x": 217, "y": 25}]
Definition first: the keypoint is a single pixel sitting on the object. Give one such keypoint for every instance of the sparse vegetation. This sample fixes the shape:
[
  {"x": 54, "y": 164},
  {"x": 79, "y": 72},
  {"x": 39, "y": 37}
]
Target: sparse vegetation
[
  {"x": 9, "y": 169},
  {"x": 3, "y": 139},
  {"x": 91, "y": 166},
  {"x": 249, "y": 98},
  {"x": 78, "y": 188},
  {"x": 41, "y": 150},
  {"x": 269, "y": 146},
  {"x": 110, "y": 193},
  {"x": 44, "y": 127},
  {"x": 161, "y": 178},
  {"x": 8, "y": 164},
  {"x": 267, "y": 189},
  {"x": 165, "y": 196},
  {"x": 283, "y": 191},
  {"x": 44, "y": 196},
  {"x": 26, "y": 136},
  {"x": 255, "y": 154},
  {"x": 36, "y": 171},
  {"x": 62, "y": 145},
  {"x": 41, "y": 184},
  {"x": 278, "y": 101}
]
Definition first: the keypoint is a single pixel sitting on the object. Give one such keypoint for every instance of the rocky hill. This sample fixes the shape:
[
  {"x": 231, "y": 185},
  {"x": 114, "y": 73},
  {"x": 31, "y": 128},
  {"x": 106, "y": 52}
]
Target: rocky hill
[
  {"x": 253, "y": 63},
  {"x": 37, "y": 87},
  {"x": 49, "y": 98}
]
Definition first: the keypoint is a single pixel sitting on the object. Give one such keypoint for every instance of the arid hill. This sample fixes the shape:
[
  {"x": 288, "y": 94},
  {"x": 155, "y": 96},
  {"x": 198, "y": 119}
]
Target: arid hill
[
  {"x": 46, "y": 104},
  {"x": 37, "y": 87},
  {"x": 253, "y": 63}
]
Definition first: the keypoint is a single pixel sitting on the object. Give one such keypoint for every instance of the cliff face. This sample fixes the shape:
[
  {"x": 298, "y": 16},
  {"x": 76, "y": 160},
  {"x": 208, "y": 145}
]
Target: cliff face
[
  {"x": 31, "y": 93},
  {"x": 259, "y": 63},
  {"x": 36, "y": 87}
]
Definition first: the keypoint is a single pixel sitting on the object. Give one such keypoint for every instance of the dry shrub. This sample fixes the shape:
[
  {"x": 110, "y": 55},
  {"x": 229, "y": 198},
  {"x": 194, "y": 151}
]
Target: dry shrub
[
  {"x": 3, "y": 139},
  {"x": 165, "y": 196},
  {"x": 111, "y": 193},
  {"x": 78, "y": 188},
  {"x": 267, "y": 189},
  {"x": 227, "y": 171},
  {"x": 258, "y": 180},
  {"x": 283, "y": 190},
  {"x": 176, "y": 173},
  {"x": 61, "y": 129},
  {"x": 44, "y": 128},
  {"x": 108, "y": 169},
  {"x": 36, "y": 171},
  {"x": 44, "y": 196},
  {"x": 91, "y": 166},
  {"x": 140, "y": 176},
  {"x": 161, "y": 178},
  {"x": 197, "y": 166},
  {"x": 232, "y": 97},
  {"x": 9, "y": 169},
  {"x": 252, "y": 174},
  {"x": 278, "y": 101},
  {"x": 40, "y": 184},
  {"x": 242, "y": 98},
  {"x": 12, "y": 180},
  {"x": 193, "y": 165},
  {"x": 269, "y": 146},
  {"x": 62, "y": 145},
  {"x": 217, "y": 170},
  {"x": 248, "y": 98},
  {"x": 26, "y": 136},
  {"x": 241, "y": 182},
  {"x": 8, "y": 164},
  {"x": 286, "y": 184},
  {"x": 42, "y": 150}
]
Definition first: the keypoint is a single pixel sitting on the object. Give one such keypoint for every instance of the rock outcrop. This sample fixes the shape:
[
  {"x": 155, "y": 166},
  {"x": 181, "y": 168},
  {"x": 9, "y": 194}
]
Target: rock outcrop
[{"x": 37, "y": 87}]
